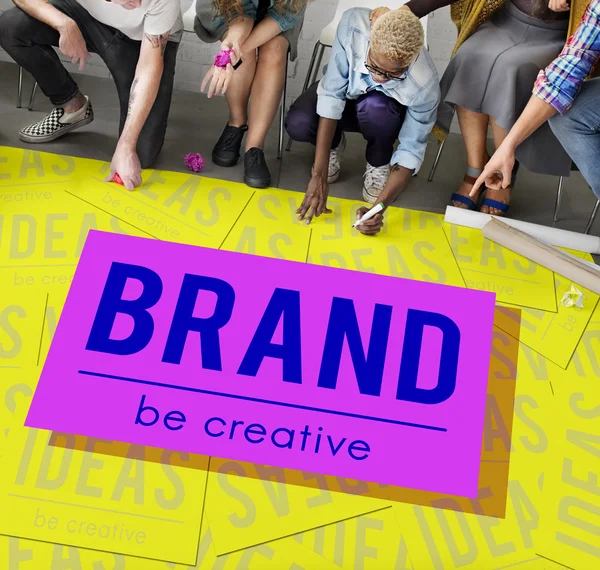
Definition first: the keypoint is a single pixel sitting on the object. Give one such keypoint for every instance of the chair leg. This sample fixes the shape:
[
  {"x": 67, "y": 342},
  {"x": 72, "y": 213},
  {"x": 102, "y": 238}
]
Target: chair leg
[
  {"x": 558, "y": 198},
  {"x": 436, "y": 161},
  {"x": 20, "y": 87},
  {"x": 32, "y": 98},
  {"x": 592, "y": 217},
  {"x": 309, "y": 73},
  {"x": 282, "y": 112}
]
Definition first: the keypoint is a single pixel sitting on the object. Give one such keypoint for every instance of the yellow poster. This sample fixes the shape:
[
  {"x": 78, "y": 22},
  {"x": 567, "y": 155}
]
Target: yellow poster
[
  {"x": 258, "y": 234},
  {"x": 82, "y": 498},
  {"x": 571, "y": 508},
  {"x": 371, "y": 542},
  {"x": 245, "y": 509},
  {"x": 42, "y": 242},
  {"x": 22, "y": 316},
  {"x": 170, "y": 206},
  {"x": 26, "y": 176},
  {"x": 442, "y": 537},
  {"x": 487, "y": 266},
  {"x": 556, "y": 335}
]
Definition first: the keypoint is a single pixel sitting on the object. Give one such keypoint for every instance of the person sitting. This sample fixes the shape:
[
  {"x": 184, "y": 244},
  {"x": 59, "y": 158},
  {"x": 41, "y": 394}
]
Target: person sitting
[
  {"x": 571, "y": 104},
  {"x": 382, "y": 83},
  {"x": 138, "y": 43},
  {"x": 272, "y": 28},
  {"x": 501, "y": 45}
]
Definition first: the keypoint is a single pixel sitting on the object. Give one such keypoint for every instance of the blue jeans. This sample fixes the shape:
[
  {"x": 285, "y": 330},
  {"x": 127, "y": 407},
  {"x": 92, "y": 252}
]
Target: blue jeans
[{"x": 579, "y": 133}]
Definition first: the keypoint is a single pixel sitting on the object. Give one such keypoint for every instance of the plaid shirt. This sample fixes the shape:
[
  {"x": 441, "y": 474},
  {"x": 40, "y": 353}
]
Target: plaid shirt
[{"x": 559, "y": 84}]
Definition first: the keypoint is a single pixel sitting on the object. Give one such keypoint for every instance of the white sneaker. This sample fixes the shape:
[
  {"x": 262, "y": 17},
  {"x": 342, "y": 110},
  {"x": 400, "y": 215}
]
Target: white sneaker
[
  {"x": 335, "y": 158},
  {"x": 57, "y": 123},
  {"x": 375, "y": 179}
]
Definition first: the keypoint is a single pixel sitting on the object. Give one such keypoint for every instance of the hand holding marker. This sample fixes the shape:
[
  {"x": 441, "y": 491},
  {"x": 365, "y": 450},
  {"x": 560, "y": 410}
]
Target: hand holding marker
[{"x": 370, "y": 214}]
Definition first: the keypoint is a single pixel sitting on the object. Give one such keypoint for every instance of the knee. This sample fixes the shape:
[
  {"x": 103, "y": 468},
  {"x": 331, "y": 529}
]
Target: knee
[
  {"x": 380, "y": 111},
  {"x": 297, "y": 124},
  {"x": 13, "y": 25},
  {"x": 148, "y": 155},
  {"x": 274, "y": 52}
]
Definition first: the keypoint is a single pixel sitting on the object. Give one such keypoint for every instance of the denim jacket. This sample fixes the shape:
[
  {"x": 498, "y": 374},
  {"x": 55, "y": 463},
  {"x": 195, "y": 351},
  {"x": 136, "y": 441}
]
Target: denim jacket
[{"x": 347, "y": 77}]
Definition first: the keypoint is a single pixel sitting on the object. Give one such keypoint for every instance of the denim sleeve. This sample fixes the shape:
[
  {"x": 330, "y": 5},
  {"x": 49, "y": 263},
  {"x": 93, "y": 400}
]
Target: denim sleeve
[
  {"x": 286, "y": 19},
  {"x": 333, "y": 87},
  {"x": 418, "y": 123}
]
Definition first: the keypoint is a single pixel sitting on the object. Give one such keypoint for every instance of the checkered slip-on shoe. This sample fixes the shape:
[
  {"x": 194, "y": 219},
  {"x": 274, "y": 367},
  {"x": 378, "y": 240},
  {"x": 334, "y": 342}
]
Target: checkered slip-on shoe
[{"x": 57, "y": 124}]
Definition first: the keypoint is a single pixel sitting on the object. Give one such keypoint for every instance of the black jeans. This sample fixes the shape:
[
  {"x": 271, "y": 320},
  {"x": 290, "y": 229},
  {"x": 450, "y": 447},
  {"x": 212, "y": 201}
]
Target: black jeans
[{"x": 29, "y": 42}]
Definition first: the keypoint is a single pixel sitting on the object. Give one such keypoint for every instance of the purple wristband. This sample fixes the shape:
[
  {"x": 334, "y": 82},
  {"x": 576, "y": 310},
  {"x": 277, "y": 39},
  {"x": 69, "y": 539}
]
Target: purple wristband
[{"x": 223, "y": 58}]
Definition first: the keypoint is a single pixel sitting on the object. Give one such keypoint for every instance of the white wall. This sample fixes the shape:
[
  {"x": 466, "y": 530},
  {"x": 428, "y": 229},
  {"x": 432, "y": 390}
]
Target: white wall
[{"x": 195, "y": 57}]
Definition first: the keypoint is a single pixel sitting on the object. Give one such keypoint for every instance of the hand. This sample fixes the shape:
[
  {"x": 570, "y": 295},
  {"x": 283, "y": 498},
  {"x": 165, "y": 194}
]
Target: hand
[
  {"x": 220, "y": 78},
  {"x": 72, "y": 44},
  {"x": 315, "y": 199},
  {"x": 377, "y": 13},
  {"x": 372, "y": 226},
  {"x": 127, "y": 165},
  {"x": 559, "y": 5},
  {"x": 497, "y": 173}
]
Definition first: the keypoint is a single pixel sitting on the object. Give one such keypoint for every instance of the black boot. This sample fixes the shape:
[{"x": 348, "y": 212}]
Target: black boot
[
  {"x": 256, "y": 171},
  {"x": 227, "y": 149}
]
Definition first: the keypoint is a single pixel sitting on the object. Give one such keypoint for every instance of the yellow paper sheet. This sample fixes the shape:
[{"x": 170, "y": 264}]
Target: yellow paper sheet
[
  {"x": 22, "y": 554},
  {"x": 42, "y": 241},
  {"x": 369, "y": 542},
  {"x": 21, "y": 325},
  {"x": 488, "y": 266},
  {"x": 82, "y": 498},
  {"x": 244, "y": 511},
  {"x": 570, "y": 532},
  {"x": 26, "y": 175},
  {"x": 442, "y": 539},
  {"x": 556, "y": 335},
  {"x": 422, "y": 255},
  {"x": 258, "y": 234},
  {"x": 171, "y": 206},
  {"x": 585, "y": 363}
]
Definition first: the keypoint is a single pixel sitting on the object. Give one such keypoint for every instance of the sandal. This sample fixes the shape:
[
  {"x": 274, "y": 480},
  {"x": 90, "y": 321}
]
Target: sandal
[
  {"x": 490, "y": 203},
  {"x": 469, "y": 179}
]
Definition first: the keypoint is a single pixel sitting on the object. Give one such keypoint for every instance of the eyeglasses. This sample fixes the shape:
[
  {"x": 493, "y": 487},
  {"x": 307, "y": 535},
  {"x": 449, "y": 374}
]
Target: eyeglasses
[{"x": 385, "y": 74}]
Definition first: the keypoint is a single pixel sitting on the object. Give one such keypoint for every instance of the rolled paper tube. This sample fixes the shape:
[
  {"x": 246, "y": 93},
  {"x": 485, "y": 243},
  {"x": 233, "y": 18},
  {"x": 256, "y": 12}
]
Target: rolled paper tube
[
  {"x": 552, "y": 236},
  {"x": 543, "y": 254}
]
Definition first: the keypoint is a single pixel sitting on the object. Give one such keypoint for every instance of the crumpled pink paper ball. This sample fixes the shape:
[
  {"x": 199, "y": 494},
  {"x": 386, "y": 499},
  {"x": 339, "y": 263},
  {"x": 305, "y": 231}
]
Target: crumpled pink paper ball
[
  {"x": 194, "y": 162},
  {"x": 223, "y": 58}
]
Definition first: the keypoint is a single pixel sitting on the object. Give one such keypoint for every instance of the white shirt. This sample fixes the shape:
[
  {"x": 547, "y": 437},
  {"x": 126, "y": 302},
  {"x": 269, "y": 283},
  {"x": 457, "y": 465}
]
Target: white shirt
[{"x": 154, "y": 17}]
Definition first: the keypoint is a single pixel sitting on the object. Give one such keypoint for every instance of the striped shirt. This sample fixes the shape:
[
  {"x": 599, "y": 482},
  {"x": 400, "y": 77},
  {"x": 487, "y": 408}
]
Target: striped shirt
[{"x": 559, "y": 84}]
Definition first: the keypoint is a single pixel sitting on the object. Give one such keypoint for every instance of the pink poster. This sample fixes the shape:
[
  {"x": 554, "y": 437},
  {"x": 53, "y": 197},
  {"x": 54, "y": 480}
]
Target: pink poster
[{"x": 274, "y": 362}]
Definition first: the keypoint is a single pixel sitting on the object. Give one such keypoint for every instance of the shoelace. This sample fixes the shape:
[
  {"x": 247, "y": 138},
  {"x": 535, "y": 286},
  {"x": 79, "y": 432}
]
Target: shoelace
[
  {"x": 255, "y": 159},
  {"x": 230, "y": 139},
  {"x": 375, "y": 177}
]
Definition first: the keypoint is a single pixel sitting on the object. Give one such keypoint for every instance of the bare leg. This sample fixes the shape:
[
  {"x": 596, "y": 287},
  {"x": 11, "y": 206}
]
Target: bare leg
[
  {"x": 473, "y": 127},
  {"x": 502, "y": 195},
  {"x": 266, "y": 90},
  {"x": 74, "y": 104},
  {"x": 238, "y": 92}
]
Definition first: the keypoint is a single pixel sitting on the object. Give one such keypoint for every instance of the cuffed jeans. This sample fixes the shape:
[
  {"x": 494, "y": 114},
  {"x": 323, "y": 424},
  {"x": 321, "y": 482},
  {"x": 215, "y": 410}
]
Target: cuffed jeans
[
  {"x": 377, "y": 117},
  {"x": 579, "y": 133},
  {"x": 29, "y": 42}
]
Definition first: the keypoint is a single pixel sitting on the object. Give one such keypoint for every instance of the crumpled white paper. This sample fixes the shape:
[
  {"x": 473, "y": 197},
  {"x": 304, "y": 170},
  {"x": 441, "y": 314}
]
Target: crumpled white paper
[{"x": 572, "y": 298}]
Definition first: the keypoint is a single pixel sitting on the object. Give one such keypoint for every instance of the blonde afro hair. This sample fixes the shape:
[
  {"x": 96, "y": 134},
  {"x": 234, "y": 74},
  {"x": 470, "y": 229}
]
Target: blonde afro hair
[{"x": 397, "y": 36}]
